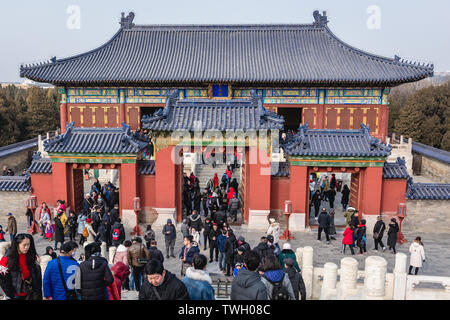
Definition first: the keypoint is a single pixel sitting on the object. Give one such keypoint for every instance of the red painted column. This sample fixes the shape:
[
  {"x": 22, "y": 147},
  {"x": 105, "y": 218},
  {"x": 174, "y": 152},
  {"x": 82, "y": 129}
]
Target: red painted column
[
  {"x": 128, "y": 178},
  {"x": 320, "y": 117},
  {"x": 165, "y": 178},
  {"x": 259, "y": 184},
  {"x": 372, "y": 190},
  {"x": 60, "y": 182},
  {"x": 122, "y": 109},
  {"x": 63, "y": 116},
  {"x": 299, "y": 188}
]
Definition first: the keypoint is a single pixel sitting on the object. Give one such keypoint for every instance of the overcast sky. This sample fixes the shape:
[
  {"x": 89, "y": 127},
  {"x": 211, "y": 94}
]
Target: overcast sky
[{"x": 36, "y": 30}]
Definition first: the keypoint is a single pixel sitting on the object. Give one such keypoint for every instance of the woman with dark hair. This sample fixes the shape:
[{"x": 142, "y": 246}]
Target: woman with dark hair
[
  {"x": 20, "y": 273},
  {"x": 278, "y": 285},
  {"x": 392, "y": 235},
  {"x": 417, "y": 255},
  {"x": 59, "y": 230}
]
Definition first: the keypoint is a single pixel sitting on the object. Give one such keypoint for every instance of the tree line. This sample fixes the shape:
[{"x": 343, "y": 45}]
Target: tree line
[
  {"x": 26, "y": 113},
  {"x": 421, "y": 111}
]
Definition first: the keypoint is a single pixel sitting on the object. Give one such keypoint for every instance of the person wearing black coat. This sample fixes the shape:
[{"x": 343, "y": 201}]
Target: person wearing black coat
[
  {"x": 392, "y": 235},
  {"x": 345, "y": 196},
  {"x": 230, "y": 246},
  {"x": 298, "y": 285},
  {"x": 262, "y": 249},
  {"x": 117, "y": 233},
  {"x": 220, "y": 217},
  {"x": 213, "y": 245},
  {"x": 170, "y": 235},
  {"x": 244, "y": 244},
  {"x": 206, "y": 231},
  {"x": 324, "y": 224},
  {"x": 361, "y": 237},
  {"x": 378, "y": 230},
  {"x": 59, "y": 231},
  {"x": 154, "y": 252},
  {"x": 161, "y": 284},
  {"x": 93, "y": 277},
  {"x": 331, "y": 197},
  {"x": 195, "y": 221},
  {"x": 316, "y": 200},
  {"x": 114, "y": 214}
]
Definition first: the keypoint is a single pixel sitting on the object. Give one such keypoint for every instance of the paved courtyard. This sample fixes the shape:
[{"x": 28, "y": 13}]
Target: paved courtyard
[{"x": 437, "y": 250}]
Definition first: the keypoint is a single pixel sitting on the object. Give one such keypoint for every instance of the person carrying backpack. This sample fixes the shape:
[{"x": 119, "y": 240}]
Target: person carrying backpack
[
  {"x": 117, "y": 233},
  {"x": 277, "y": 282}
]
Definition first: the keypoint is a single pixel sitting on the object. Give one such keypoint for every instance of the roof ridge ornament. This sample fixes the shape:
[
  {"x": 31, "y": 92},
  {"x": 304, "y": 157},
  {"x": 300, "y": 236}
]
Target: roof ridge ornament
[
  {"x": 320, "y": 20},
  {"x": 127, "y": 22}
]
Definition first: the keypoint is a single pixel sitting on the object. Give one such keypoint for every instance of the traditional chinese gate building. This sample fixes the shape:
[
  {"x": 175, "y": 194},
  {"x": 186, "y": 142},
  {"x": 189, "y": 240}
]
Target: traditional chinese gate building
[{"x": 167, "y": 78}]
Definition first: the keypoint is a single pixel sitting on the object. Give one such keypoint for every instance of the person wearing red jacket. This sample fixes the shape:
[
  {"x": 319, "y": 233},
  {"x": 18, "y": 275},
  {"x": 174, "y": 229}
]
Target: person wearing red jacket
[
  {"x": 120, "y": 271},
  {"x": 348, "y": 239}
]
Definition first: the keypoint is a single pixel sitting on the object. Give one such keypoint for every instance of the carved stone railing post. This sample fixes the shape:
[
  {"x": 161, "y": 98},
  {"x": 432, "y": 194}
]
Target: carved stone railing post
[
  {"x": 375, "y": 278},
  {"x": 329, "y": 291},
  {"x": 308, "y": 270},
  {"x": 400, "y": 276},
  {"x": 349, "y": 275},
  {"x": 299, "y": 256}
]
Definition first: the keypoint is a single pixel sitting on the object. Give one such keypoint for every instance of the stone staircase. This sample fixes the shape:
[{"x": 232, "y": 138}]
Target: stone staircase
[{"x": 205, "y": 172}]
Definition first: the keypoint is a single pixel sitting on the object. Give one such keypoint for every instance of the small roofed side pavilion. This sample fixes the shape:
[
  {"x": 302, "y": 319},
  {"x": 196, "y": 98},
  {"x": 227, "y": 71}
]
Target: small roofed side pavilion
[{"x": 347, "y": 151}]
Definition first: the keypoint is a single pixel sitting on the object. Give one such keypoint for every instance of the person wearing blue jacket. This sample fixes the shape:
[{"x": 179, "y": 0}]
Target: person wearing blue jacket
[
  {"x": 221, "y": 239},
  {"x": 187, "y": 253},
  {"x": 52, "y": 284},
  {"x": 197, "y": 280}
]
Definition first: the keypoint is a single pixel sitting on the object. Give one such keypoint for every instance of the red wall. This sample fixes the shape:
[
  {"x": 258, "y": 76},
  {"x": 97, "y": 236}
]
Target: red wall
[
  {"x": 279, "y": 187},
  {"x": 371, "y": 190},
  {"x": 42, "y": 188},
  {"x": 147, "y": 190},
  {"x": 393, "y": 193}
]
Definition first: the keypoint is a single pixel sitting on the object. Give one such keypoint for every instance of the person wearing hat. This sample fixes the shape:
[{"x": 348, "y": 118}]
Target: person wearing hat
[
  {"x": 91, "y": 233},
  {"x": 324, "y": 224},
  {"x": 93, "y": 276},
  {"x": 274, "y": 231},
  {"x": 52, "y": 283},
  {"x": 170, "y": 235},
  {"x": 11, "y": 226},
  {"x": 288, "y": 253},
  {"x": 88, "y": 203},
  {"x": 298, "y": 285}
]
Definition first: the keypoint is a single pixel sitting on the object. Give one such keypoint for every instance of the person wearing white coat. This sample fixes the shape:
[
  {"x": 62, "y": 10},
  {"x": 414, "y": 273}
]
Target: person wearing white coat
[
  {"x": 274, "y": 230},
  {"x": 417, "y": 255}
]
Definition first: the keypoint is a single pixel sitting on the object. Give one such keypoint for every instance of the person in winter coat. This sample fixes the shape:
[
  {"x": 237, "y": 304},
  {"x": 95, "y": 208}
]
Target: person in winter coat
[
  {"x": 247, "y": 285},
  {"x": 234, "y": 206},
  {"x": 348, "y": 239},
  {"x": 91, "y": 233},
  {"x": 52, "y": 282},
  {"x": 295, "y": 276},
  {"x": 197, "y": 280},
  {"x": 20, "y": 272},
  {"x": 220, "y": 216},
  {"x": 170, "y": 235},
  {"x": 206, "y": 230},
  {"x": 46, "y": 258},
  {"x": 120, "y": 272},
  {"x": 122, "y": 253},
  {"x": 81, "y": 221},
  {"x": 72, "y": 225},
  {"x": 245, "y": 245},
  {"x": 49, "y": 230},
  {"x": 44, "y": 216},
  {"x": 378, "y": 230},
  {"x": 161, "y": 284},
  {"x": 331, "y": 197},
  {"x": 185, "y": 228},
  {"x": 262, "y": 249},
  {"x": 114, "y": 213},
  {"x": 316, "y": 200},
  {"x": 417, "y": 255},
  {"x": 324, "y": 224},
  {"x": 273, "y": 274},
  {"x": 234, "y": 184},
  {"x": 187, "y": 253},
  {"x": 196, "y": 236},
  {"x": 59, "y": 231},
  {"x": 288, "y": 253},
  {"x": 88, "y": 203},
  {"x": 221, "y": 244},
  {"x": 273, "y": 249},
  {"x": 345, "y": 197},
  {"x": 117, "y": 233},
  {"x": 195, "y": 221},
  {"x": 213, "y": 246},
  {"x": 224, "y": 181},
  {"x": 274, "y": 230},
  {"x": 349, "y": 214},
  {"x": 154, "y": 253},
  {"x": 392, "y": 235},
  {"x": 136, "y": 252},
  {"x": 361, "y": 239},
  {"x": 230, "y": 246},
  {"x": 332, "y": 228},
  {"x": 11, "y": 226},
  {"x": 94, "y": 276}
]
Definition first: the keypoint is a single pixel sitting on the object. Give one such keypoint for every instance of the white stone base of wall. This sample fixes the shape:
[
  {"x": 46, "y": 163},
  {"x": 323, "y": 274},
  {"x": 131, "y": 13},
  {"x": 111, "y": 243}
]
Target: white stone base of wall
[
  {"x": 297, "y": 222},
  {"x": 128, "y": 220},
  {"x": 257, "y": 219},
  {"x": 163, "y": 215}
]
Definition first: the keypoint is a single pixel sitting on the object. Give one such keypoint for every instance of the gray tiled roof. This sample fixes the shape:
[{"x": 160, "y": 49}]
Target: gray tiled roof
[
  {"x": 146, "y": 167},
  {"x": 95, "y": 140},
  {"x": 335, "y": 142},
  {"x": 245, "y": 114},
  {"x": 395, "y": 170},
  {"x": 15, "y": 183},
  {"x": 42, "y": 165},
  {"x": 428, "y": 191},
  {"x": 277, "y": 53}
]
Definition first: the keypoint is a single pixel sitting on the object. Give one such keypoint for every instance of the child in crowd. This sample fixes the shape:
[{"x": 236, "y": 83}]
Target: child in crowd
[
  {"x": 196, "y": 236},
  {"x": 49, "y": 230}
]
